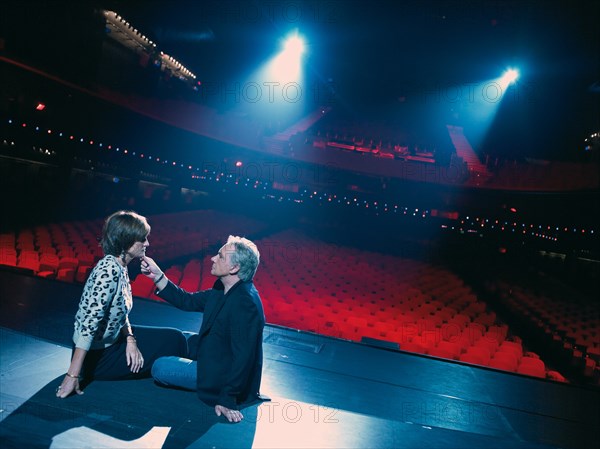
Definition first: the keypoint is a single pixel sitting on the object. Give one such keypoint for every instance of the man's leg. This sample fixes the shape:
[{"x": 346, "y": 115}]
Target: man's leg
[
  {"x": 192, "y": 340},
  {"x": 157, "y": 342},
  {"x": 175, "y": 372}
]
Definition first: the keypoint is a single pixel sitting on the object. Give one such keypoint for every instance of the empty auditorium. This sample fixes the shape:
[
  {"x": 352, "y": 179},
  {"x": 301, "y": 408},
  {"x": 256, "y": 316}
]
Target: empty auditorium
[{"x": 387, "y": 211}]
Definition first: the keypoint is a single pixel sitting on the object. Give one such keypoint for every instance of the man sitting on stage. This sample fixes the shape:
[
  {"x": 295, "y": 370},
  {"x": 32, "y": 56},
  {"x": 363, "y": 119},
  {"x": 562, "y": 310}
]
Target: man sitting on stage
[{"x": 225, "y": 357}]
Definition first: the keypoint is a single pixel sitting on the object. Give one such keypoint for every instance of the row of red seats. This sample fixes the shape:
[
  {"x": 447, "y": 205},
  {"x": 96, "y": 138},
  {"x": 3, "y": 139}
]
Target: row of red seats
[
  {"x": 67, "y": 251},
  {"x": 354, "y": 294},
  {"x": 565, "y": 319},
  {"x": 306, "y": 283},
  {"x": 351, "y": 294},
  {"x": 34, "y": 250}
]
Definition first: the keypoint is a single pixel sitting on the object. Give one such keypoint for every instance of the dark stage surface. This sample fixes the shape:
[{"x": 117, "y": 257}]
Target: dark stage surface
[{"x": 325, "y": 393}]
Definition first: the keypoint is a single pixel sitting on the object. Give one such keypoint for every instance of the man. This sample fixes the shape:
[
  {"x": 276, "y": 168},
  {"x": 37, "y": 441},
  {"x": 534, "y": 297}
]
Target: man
[{"x": 225, "y": 358}]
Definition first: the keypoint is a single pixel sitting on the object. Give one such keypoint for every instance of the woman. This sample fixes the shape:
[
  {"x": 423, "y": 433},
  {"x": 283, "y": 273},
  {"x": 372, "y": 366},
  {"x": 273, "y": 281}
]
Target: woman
[{"x": 105, "y": 345}]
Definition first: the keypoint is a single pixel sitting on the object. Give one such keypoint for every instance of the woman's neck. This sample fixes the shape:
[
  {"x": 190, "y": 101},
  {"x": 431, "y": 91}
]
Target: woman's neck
[{"x": 123, "y": 261}]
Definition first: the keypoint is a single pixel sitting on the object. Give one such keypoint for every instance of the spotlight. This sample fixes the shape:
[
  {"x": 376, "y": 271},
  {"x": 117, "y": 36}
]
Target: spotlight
[
  {"x": 285, "y": 67},
  {"x": 510, "y": 76},
  {"x": 294, "y": 45}
]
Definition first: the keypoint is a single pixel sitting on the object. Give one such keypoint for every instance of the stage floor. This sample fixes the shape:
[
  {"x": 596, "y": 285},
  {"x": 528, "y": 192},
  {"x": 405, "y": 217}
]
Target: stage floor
[{"x": 325, "y": 393}]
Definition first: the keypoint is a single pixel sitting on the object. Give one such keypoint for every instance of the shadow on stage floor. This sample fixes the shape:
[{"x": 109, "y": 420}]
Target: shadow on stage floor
[{"x": 325, "y": 393}]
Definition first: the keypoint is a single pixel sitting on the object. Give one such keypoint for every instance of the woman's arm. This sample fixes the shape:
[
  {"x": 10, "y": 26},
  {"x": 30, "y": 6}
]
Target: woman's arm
[
  {"x": 88, "y": 323},
  {"x": 70, "y": 383},
  {"x": 135, "y": 360},
  {"x": 98, "y": 293}
]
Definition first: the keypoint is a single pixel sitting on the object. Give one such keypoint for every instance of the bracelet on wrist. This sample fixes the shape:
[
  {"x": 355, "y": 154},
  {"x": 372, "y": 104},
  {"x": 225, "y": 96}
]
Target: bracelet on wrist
[
  {"x": 68, "y": 374},
  {"x": 130, "y": 335},
  {"x": 162, "y": 275}
]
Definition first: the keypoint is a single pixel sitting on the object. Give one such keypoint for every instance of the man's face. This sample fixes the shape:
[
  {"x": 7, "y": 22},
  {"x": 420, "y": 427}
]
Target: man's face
[{"x": 222, "y": 265}]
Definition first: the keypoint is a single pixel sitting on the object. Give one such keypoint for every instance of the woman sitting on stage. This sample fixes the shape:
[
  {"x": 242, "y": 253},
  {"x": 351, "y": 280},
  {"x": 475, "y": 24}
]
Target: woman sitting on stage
[{"x": 105, "y": 345}]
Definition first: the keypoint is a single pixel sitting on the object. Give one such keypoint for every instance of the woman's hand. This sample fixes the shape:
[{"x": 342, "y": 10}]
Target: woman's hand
[
  {"x": 70, "y": 383},
  {"x": 135, "y": 361},
  {"x": 68, "y": 386}
]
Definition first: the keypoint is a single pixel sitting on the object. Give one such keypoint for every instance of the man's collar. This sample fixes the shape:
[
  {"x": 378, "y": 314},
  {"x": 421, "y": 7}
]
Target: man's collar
[{"x": 234, "y": 286}]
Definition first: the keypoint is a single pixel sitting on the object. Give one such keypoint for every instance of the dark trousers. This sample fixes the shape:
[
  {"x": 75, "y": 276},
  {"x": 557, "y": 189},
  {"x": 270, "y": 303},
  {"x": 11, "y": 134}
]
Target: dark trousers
[{"x": 153, "y": 342}]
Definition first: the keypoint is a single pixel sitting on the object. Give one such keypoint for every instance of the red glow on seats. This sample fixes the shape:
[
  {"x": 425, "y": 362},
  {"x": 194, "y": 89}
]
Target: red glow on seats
[{"x": 352, "y": 294}]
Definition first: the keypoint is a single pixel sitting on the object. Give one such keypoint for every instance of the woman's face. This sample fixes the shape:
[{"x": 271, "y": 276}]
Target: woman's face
[{"x": 138, "y": 249}]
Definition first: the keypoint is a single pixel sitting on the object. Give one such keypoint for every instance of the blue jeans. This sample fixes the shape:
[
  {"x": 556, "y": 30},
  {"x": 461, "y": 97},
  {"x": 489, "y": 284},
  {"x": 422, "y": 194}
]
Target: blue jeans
[
  {"x": 175, "y": 372},
  {"x": 179, "y": 372}
]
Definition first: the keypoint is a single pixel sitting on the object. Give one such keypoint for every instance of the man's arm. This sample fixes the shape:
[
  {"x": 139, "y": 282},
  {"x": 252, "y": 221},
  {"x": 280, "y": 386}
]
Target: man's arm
[{"x": 191, "y": 302}]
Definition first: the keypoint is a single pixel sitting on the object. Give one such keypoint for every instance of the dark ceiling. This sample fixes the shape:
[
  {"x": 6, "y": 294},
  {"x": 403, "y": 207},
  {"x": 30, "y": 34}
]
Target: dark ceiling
[{"x": 382, "y": 56}]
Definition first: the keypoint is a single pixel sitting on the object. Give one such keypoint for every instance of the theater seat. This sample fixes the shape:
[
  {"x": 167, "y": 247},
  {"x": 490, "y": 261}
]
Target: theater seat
[
  {"x": 66, "y": 275},
  {"x": 142, "y": 286},
  {"x": 453, "y": 348},
  {"x": 68, "y": 262},
  {"x": 49, "y": 262},
  {"x": 83, "y": 271},
  {"x": 473, "y": 358},
  {"x": 413, "y": 347},
  {"x": 512, "y": 347},
  {"x": 532, "y": 366},
  {"x": 441, "y": 353},
  {"x": 480, "y": 352},
  {"x": 8, "y": 259},
  {"x": 504, "y": 361}
]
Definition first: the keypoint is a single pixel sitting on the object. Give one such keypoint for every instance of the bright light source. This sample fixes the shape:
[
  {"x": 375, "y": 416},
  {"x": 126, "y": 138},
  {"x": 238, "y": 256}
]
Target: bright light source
[
  {"x": 40, "y": 107},
  {"x": 294, "y": 45},
  {"x": 509, "y": 77},
  {"x": 286, "y": 66},
  {"x": 275, "y": 89}
]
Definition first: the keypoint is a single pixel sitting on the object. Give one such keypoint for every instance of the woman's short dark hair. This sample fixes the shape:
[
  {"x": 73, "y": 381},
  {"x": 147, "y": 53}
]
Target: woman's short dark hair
[{"x": 121, "y": 230}]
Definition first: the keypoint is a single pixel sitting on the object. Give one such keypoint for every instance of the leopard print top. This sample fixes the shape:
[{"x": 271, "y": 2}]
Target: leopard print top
[{"x": 104, "y": 306}]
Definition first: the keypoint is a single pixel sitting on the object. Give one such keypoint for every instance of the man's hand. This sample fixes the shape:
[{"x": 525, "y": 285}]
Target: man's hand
[
  {"x": 153, "y": 271},
  {"x": 150, "y": 268},
  {"x": 231, "y": 415}
]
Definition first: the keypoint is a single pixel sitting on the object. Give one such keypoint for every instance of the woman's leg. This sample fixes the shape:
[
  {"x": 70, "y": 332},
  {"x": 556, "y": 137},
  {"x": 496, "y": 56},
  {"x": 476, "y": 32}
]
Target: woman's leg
[
  {"x": 105, "y": 364},
  {"x": 153, "y": 342},
  {"x": 156, "y": 342}
]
